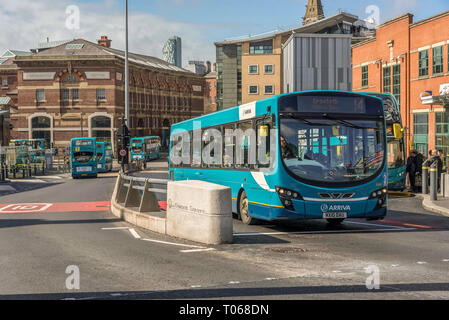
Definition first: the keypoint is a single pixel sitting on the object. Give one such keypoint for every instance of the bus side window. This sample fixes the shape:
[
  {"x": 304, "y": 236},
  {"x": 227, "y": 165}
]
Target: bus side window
[
  {"x": 228, "y": 147},
  {"x": 244, "y": 143},
  {"x": 263, "y": 143}
]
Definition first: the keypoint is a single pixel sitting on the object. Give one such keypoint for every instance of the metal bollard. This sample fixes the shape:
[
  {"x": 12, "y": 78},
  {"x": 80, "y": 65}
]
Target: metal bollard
[
  {"x": 434, "y": 181},
  {"x": 2, "y": 174},
  {"x": 425, "y": 178},
  {"x": 29, "y": 171}
]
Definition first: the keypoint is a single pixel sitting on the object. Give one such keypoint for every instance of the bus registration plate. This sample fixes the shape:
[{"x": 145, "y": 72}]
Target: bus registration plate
[
  {"x": 335, "y": 215},
  {"x": 83, "y": 169}
]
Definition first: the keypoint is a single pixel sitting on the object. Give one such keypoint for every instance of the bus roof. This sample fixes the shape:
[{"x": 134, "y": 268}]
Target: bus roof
[
  {"x": 85, "y": 138},
  {"x": 232, "y": 114}
]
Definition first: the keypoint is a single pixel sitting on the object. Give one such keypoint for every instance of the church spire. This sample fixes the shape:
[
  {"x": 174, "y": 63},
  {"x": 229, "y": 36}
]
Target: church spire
[{"x": 314, "y": 12}]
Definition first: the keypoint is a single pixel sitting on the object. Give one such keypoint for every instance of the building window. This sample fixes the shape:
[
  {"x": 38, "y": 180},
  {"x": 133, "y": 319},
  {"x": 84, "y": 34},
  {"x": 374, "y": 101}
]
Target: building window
[
  {"x": 269, "y": 69},
  {"x": 65, "y": 94},
  {"x": 263, "y": 47},
  {"x": 269, "y": 89},
  {"x": 397, "y": 82},
  {"x": 364, "y": 76},
  {"x": 253, "y": 69},
  {"x": 387, "y": 79},
  {"x": 40, "y": 95},
  {"x": 421, "y": 132},
  {"x": 101, "y": 128},
  {"x": 219, "y": 53},
  {"x": 437, "y": 66},
  {"x": 253, "y": 89},
  {"x": 5, "y": 82},
  {"x": 442, "y": 131},
  {"x": 423, "y": 63},
  {"x": 41, "y": 128},
  {"x": 75, "y": 94},
  {"x": 239, "y": 55},
  {"x": 101, "y": 94}
]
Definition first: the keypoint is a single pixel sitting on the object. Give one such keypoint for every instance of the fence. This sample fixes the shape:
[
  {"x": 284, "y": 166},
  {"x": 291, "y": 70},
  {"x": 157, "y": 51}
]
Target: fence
[{"x": 137, "y": 192}]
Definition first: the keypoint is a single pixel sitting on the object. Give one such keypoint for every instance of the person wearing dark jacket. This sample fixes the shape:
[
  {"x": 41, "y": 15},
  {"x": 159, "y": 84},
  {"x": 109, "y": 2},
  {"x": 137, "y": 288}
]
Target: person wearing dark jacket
[{"x": 411, "y": 169}]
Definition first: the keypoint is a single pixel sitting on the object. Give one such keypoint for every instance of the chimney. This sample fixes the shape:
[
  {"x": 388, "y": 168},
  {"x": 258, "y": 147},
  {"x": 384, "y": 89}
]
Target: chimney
[
  {"x": 105, "y": 42},
  {"x": 215, "y": 67},
  {"x": 208, "y": 66}
]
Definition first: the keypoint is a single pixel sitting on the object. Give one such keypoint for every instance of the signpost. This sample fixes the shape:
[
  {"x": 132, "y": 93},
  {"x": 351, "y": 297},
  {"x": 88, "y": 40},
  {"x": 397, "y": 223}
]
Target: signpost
[{"x": 123, "y": 139}]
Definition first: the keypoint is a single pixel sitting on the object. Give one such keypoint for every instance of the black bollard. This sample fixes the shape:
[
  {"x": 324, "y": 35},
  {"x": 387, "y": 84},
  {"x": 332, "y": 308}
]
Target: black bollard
[
  {"x": 434, "y": 181},
  {"x": 425, "y": 177}
]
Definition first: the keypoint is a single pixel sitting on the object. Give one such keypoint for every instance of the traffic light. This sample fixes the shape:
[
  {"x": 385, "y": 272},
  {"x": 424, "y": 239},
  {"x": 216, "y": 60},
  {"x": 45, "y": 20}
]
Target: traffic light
[{"x": 123, "y": 140}]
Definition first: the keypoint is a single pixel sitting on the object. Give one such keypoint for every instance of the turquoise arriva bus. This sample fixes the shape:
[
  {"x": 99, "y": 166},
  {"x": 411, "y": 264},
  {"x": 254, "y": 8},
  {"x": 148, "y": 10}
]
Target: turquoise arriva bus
[
  {"x": 145, "y": 148},
  {"x": 33, "y": 143},
  {"x": 109, "y": 156},
  {"x": 101, "y": 157},
  {"x": 396, "y": 154},
  {"x": 325, "y": 159},
  {"x": 83, "y": 157}
]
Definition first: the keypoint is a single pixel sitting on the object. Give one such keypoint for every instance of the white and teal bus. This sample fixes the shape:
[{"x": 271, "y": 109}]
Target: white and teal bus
[{"x": 303, "y": 155}]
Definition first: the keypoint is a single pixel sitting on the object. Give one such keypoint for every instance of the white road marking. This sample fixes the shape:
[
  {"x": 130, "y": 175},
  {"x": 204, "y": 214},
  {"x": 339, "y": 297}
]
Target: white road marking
[
  {"x": 445, "y": 260},
  {"x": 395, "y": 265},
  {"x": 118, "y": 228},
  {"x": 270, "y": 278},
  {"x": 174, "y": 244},
  {"x": 29, "y": 181},
  {"x": 311, "y": 232},
  {"x": 134, "y": 233},
  {"x": 375, "y": 225},
  {"x": 234, "y": 282},
  {"x": 195, "y": 286},
  {"x": 197, "y": 250},
  {"x": 421, "y": 262},
  {"x": 336, "y": 271},
  {"x": 49, "y": 177}
]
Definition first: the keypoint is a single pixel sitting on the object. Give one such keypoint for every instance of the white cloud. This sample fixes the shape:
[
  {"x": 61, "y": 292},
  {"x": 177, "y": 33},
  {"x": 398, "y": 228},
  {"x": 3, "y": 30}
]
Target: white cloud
[{"x": 28, "y": 22}]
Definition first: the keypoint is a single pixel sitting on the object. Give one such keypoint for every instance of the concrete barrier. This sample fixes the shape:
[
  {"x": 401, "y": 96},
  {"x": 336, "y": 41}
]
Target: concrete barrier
[
  {"x": 196, "y": 210},
  {"x": 199, "y": 211}
]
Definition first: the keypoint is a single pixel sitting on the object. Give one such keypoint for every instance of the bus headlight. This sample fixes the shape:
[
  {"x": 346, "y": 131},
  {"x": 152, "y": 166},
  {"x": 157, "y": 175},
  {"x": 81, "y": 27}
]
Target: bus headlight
[
  {"x": 381, "y": 196},
  {"x": 286, "y": 196}
]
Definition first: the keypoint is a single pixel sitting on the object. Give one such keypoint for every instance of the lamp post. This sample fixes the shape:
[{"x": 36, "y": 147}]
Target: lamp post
[
  {"x": 126, "y": 70},
  {"x": 81, "y": 124}
]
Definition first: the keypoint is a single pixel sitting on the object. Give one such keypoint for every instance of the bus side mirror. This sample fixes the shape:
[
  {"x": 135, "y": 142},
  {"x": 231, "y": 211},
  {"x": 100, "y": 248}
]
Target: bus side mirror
[{"x": 398, "y": 131}]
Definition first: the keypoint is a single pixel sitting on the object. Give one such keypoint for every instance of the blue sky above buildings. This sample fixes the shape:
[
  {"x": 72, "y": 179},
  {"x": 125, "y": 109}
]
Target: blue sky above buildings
[{"x": 198, "y": 22}]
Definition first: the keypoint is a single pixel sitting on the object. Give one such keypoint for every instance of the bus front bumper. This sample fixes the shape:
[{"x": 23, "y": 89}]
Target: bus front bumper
[{"x": 365, "y": 209}]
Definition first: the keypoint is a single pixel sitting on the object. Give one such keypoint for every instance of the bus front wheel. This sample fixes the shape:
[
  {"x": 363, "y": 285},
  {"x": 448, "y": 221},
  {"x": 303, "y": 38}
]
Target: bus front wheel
[{"x": 243, "y": 210}]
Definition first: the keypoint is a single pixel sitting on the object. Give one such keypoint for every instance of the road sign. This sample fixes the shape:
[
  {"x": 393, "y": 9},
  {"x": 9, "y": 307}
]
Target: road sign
[{"x": 123, "y": 152}]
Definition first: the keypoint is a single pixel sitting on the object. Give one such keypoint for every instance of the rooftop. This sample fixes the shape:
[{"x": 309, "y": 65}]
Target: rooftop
[
  {"x": 309, "y": 28},
  {"x": 82, "y": 49}
]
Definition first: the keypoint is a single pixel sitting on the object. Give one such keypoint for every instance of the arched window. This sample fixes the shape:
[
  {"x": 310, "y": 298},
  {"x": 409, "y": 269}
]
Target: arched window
[
  {"x": 101, "y": 127},
  {"x": 41, "y": 128}
]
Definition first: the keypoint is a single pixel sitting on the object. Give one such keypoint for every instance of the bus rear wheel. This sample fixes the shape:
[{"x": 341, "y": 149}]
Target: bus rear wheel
[
  {"x": 243, "y": 210},
  {"x": 335, "y": 222}
]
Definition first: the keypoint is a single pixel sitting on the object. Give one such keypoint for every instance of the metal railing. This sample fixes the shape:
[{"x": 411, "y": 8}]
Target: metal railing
[{"x": 139, "y": 192}]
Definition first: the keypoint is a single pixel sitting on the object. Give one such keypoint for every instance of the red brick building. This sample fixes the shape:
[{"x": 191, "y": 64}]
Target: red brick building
[
  {"x": 78, "y": 89},
  {"x": 407, "y": 58},
  {"x": 210, "y": 99}
]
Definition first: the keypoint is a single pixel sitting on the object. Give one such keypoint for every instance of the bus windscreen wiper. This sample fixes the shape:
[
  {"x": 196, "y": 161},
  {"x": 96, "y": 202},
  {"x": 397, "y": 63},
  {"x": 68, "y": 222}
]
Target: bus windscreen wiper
[
  {"x": 293, "y": 116},
  {"x": 347, "y": 123}
]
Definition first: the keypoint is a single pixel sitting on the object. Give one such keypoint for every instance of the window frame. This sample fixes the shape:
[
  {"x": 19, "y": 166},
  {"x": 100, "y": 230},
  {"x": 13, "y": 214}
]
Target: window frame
[
  {"x": 265, "y": 69},
  {"x": 40, "y": 93},
  {"x": 265, "y": 89},
  {"x": 364, "y": 76},
  {"x": 99, "y": 97},
  {"x": 437, "y": 64},
  {"x": 423, "y": 68},
  {"x": 257, "y": 69},
  {"x": 249, "y": 89}
]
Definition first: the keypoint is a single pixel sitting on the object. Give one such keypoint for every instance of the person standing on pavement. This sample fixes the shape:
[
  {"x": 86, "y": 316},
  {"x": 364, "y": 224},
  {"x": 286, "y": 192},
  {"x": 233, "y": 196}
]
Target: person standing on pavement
[{"x": 411, "y": 170}]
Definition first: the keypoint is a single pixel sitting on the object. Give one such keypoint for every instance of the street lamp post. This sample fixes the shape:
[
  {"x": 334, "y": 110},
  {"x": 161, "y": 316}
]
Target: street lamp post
[{"x": 126, "y": 70}]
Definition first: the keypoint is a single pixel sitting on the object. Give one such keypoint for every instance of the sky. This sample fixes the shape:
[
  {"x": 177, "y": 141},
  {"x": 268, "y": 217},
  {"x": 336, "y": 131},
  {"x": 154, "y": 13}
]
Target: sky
[{"x": 199, "y": 23}]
